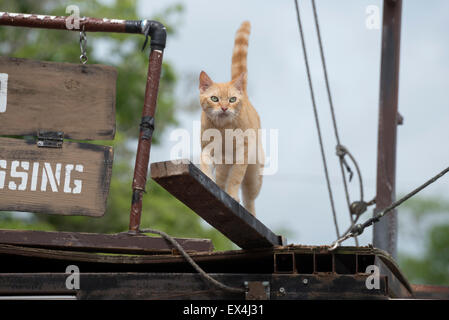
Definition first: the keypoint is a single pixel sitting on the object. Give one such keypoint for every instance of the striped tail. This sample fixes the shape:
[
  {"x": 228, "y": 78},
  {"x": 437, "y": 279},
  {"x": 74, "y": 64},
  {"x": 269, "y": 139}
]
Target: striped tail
[{"x": 240, "y": 51}]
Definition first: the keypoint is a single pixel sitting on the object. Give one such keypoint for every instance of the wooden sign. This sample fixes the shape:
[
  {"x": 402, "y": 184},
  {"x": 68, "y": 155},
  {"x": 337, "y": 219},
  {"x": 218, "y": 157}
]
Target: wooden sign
[
  {"x": 71, "y": 180},
  {"x": 76, "y": 99}
]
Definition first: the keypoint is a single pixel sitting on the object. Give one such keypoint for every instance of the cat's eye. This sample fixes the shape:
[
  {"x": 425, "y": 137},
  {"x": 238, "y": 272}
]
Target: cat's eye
[
  {"x": 214, "y": 98},
  {"x": 232, "y": 99}
]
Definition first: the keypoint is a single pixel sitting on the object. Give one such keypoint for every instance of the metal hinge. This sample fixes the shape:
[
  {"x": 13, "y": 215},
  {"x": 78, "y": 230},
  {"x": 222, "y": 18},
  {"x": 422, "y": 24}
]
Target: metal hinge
[{"x": 50, "y": 139}]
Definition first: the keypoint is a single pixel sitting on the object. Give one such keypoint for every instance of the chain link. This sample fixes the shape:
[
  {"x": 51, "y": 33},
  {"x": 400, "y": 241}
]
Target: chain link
[{"x": 83, "y": 46}]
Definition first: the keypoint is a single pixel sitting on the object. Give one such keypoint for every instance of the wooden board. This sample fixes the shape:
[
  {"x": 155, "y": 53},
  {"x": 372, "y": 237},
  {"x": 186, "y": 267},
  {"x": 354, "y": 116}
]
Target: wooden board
[
  {"x": 76, "y": 99},
  {"x": 192, "y": 187},
  {"x": 72, "y": 180},
  {"x": 94, "y": 242}
]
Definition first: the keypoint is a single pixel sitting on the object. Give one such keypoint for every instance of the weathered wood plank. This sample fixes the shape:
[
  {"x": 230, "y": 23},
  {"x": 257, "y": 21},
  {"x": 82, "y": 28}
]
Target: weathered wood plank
[
  {"x": 189, "y": 286},
  {"x": 72, "y": 180},
  {"x": 114, "y": 243},
  {"x": 192, "y": 187},
  {"x": 51, "y": 96}
]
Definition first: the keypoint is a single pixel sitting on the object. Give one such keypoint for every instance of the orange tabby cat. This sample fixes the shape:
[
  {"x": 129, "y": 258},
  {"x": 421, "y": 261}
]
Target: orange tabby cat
[{"x": 226, "y": 106}]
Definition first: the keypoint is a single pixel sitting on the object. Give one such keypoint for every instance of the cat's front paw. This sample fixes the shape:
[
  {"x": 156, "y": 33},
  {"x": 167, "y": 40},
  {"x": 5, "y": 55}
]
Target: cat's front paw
[
  {"x": 235, "y": 196},
  {"x": 208, "y": 172},
  {"x": 210, "y": 175}
]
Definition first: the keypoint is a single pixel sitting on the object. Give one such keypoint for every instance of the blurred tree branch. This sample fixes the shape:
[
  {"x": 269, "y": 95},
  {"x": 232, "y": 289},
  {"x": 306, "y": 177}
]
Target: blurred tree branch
[{"x": 431, "y": 267}]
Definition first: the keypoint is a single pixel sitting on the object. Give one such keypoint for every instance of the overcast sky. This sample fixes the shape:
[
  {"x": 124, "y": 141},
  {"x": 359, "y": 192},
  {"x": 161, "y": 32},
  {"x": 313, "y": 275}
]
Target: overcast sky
[{"x": 296, "y": 197}]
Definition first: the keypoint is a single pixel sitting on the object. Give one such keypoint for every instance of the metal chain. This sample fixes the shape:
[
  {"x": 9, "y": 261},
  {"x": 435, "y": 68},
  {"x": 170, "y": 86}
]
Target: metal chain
[
  {"x": 312, "y": 95},
  {"x": 359, "y": 228},
  {"x": 83, "y": 46}
]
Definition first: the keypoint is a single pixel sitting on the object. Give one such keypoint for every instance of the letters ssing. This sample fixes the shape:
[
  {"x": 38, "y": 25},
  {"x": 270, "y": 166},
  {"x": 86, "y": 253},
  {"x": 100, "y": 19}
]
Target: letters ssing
[{"x": 18, "y": 175}]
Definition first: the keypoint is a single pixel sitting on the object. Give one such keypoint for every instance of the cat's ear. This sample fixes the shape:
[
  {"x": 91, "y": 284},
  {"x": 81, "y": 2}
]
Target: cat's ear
[
  {"x": 240, "y": 81},
  {"x": 205, "y": 82}
]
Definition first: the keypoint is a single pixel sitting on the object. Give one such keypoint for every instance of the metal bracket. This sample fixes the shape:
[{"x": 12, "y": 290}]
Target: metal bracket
[
  {"x": 50, "y": 139},
  {"x": 147, "y": 127},
  {"x": 400, "y": 119},
  {"x": 257, "y": 290},
  {"x": 358, "y": 207}
]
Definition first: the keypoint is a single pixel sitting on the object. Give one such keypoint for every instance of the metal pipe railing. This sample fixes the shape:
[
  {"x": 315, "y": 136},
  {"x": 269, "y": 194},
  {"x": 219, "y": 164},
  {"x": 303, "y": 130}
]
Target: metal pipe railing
[{"x": 153, "y": 29}]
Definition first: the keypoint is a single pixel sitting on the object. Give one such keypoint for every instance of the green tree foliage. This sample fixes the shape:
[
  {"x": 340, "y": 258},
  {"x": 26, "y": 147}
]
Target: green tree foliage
[
  {"x": 431, "y": 267},
  {"x": 160, "y": 209}
]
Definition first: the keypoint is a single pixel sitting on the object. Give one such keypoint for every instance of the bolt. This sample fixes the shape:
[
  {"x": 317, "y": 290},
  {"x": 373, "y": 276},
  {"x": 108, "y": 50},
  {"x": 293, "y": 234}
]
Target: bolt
[
  {"x": 305, "y": 281},
  {"x": 282, "y": 291}
]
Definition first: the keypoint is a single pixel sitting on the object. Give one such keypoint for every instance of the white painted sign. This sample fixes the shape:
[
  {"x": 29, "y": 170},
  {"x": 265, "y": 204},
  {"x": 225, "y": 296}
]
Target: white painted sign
[
  {"x": 3, "y": 91},
  {"x": 18, "y": 175}
]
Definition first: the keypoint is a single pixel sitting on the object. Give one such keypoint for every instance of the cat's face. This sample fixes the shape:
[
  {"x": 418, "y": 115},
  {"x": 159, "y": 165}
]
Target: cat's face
[{"x": 221, "y": 102}]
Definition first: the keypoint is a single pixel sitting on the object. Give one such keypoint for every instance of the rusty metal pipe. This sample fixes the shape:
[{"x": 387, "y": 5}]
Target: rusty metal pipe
[
  {"x": 145, "y": 136},
  {"x": 66, "y": 23},
  {"x": 385, "y": 231},
  {"x": 154, "y": 29},
  {"x": 158, "y": 35}
]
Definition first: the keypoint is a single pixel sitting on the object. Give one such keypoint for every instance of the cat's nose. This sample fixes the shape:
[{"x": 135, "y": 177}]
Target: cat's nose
[{"x": 224, "y": 108}]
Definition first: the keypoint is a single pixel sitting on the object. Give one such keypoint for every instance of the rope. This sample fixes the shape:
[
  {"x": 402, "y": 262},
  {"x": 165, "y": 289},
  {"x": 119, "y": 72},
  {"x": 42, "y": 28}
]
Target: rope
[
  {"x": 323, "y": 61},
  {"x": 348, "y": 200},
  {"x": 359, "y": 228},
  {"x": 189, "y": 259},
  {"x": 317, "y": 122},
  {"x": 340, "y": 154},
  {"x": 358, "y": 207}
]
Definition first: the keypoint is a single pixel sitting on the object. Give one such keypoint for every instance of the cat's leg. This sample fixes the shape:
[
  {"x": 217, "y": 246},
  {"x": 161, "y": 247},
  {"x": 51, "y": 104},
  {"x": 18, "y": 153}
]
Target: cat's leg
[
  {"x": 222, "y": 174},
  {"x": 235, "y": 180},
  {"x": 206, "y": 161},
  {"x": 251, "y": 185}
]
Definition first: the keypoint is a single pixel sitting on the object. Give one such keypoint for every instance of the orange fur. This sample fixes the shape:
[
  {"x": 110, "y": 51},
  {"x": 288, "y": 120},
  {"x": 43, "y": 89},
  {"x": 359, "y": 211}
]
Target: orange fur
[
  {"x": 220, "y": 112},
  {"x": 239, "y": 55}
]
